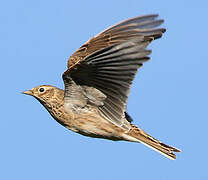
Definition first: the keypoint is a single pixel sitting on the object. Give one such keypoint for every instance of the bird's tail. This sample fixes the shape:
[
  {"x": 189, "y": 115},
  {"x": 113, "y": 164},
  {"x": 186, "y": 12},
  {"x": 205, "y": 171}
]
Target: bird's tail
[{"x": 138, "y": 135}]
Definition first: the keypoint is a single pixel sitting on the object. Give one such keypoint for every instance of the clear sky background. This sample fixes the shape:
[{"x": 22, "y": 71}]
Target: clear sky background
[{"x": 168, "y": 98}]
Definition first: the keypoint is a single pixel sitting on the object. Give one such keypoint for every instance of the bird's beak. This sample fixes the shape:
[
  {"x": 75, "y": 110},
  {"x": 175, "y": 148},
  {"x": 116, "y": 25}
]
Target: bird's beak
[{"x": 27, "y": 92}]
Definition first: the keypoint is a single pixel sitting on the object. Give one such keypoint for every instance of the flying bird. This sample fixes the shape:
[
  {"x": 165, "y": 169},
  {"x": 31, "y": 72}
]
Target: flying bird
[{"x": 97, "y": 84}]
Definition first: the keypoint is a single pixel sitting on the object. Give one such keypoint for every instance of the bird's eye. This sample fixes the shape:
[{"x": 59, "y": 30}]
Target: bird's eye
[{"x": 41, "y": 89}]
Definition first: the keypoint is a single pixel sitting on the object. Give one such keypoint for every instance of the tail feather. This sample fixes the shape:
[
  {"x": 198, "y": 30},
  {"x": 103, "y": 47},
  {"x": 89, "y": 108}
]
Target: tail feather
[{"x": 138, "y": 135}]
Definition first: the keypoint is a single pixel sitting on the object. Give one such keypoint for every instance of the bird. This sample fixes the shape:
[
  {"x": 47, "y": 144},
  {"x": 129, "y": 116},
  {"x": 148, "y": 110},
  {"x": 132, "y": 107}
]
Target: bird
[{"x": 97, "y": 84}]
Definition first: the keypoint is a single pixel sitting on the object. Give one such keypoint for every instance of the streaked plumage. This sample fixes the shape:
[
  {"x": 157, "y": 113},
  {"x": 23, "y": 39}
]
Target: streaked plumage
[{"x": 97, "y": 83}]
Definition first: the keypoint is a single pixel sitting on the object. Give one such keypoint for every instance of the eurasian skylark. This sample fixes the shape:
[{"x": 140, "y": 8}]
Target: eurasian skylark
[{"x": 97, "y": 83}]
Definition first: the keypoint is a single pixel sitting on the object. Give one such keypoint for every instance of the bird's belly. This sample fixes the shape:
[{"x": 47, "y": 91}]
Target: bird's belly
[{"x": 94, "y": 125}]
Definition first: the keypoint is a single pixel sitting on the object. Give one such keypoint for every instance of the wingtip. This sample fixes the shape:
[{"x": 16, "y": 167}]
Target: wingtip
[
  {"x": 177, "y": 150},
  {"x": 153, "y": 15}
]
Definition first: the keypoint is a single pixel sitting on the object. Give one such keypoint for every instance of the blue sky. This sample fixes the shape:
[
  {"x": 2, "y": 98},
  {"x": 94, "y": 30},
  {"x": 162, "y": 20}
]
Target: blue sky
[{"x": 168, "y": 98}]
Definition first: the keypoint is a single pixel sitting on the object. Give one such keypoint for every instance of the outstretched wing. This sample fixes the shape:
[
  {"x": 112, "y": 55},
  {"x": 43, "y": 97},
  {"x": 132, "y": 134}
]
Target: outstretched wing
[
  {"x": 131, "y": 28},
  {"x": 109, "y": 62}
]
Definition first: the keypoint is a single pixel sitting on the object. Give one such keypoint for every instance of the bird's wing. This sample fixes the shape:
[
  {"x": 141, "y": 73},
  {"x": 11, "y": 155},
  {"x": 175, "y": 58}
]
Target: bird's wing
[{"x": 109, "y": 62}]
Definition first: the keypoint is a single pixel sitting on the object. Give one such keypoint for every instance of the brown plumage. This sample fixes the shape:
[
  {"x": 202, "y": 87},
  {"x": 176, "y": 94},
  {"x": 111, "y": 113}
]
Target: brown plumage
[{"x": 97, "y": 83}]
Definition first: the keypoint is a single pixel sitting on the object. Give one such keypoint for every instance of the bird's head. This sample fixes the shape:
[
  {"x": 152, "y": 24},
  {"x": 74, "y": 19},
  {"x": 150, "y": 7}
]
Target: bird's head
[{"x": 45, "y": 93}]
